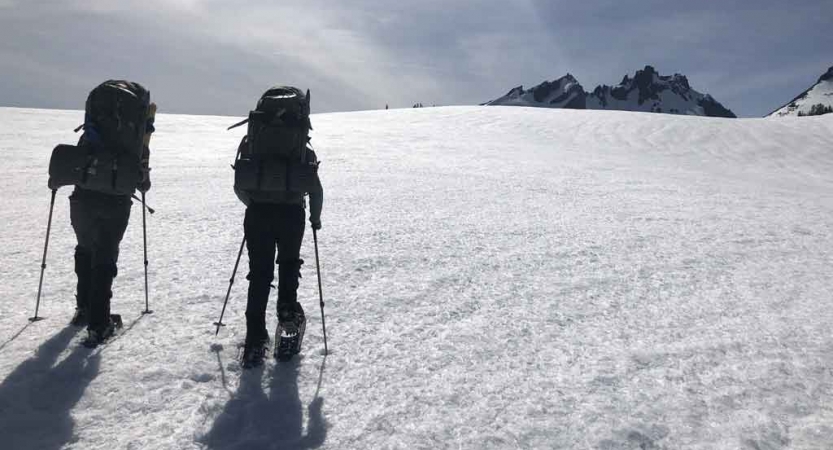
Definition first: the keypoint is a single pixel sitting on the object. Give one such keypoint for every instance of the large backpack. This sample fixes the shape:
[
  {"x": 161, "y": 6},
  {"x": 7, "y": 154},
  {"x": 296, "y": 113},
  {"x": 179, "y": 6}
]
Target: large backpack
[
  {"x": 108, "y": 156},
  {"x": 273, "y": 157}
]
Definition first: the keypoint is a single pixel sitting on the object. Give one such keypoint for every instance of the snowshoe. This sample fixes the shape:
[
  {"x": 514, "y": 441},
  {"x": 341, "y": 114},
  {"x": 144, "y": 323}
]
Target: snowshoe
[
  {"x": 291, "y": 326},
  {"x": 98, "y": 337}
]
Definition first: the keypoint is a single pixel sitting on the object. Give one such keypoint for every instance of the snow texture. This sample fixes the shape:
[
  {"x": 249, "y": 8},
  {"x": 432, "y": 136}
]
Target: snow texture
[{"x": 494, "y": 278}]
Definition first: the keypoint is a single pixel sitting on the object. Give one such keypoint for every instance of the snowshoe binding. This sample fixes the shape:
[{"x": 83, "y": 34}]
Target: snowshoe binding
[
  {"x": 96, "y": 337},
  {"x": 291, "y": 326}
]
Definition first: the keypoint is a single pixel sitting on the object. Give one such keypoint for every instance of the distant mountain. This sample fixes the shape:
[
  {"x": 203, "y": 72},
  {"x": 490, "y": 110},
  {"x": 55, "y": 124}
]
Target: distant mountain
[
  {"x": 814, "y": 101},
  {"x": 565, "y": 92},
  {"x": 647, "y": 91}
]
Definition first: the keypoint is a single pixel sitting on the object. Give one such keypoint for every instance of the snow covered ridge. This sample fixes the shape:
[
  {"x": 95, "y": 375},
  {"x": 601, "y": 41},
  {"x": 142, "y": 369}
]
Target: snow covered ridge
[
  {"x": 815, "y": 101},
  {"x": 647, "y": 91},
  {"x": 565, "y": 92}
]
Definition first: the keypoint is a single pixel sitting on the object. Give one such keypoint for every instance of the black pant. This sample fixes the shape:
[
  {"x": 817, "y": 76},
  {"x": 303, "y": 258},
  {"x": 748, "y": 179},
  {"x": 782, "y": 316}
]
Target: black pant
[
  {"x": 99, "y": 221},
  {"x": 267, "y": 227}
]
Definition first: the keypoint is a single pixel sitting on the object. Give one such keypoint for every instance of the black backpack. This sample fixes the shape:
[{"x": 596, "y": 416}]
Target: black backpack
[
  {"x": 273, "y": 155},
  {"x": 279, "y": 126},
  {"x": 108, "y": 156}
]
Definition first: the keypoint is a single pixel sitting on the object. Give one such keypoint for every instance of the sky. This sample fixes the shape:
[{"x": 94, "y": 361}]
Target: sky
[{"x": 217, "y": 57}]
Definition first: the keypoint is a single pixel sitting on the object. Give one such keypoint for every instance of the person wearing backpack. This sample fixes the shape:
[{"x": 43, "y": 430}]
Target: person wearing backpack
[
  {"x": 274, "y": 171},
  {"x": 110, "y": 161}
]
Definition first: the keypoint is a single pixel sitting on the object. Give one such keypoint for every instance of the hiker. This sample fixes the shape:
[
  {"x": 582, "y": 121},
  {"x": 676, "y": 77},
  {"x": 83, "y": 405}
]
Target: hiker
[
  {"x": 113, "y": 158},
  {"x": 274, "y": 171}
]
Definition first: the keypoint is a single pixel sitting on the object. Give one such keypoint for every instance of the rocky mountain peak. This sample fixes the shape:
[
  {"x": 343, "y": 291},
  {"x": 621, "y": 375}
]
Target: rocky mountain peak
[
  {"x": 646, "y": 91},
  {"x": 827, "y": 75}
]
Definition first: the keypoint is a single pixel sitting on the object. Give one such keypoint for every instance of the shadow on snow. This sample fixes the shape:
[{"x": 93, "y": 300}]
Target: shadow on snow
[
  {"x": 15, "y": 336},
  {"x": 254, "y": 420},
  {"x": 37, "y": 397}
]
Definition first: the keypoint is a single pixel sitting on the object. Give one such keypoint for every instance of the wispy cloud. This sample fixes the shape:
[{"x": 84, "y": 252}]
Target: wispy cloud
[{"x": 211, "y": 56}]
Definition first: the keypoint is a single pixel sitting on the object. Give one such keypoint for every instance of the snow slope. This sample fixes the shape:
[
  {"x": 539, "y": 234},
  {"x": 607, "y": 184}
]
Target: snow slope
[
  {"x": 494, "y": 277},
  {"x": 820, "y": 93}
]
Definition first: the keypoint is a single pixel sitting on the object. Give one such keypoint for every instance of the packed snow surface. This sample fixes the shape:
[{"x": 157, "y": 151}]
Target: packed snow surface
[{"x": 494, "y": 278}]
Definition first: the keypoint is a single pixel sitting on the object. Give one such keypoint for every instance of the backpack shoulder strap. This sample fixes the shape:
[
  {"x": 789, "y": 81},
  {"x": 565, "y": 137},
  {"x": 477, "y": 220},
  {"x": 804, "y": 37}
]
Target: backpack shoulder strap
[
  {"x": 244, "y": 143},
  {"x": 311, "y": 157}
]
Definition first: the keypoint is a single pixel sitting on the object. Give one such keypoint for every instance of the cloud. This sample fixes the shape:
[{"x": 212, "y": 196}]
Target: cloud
[
  {"x": 377, "y": 52},
  {"x": 216, "y": 57},
  {"x": 359, "y": 55}
]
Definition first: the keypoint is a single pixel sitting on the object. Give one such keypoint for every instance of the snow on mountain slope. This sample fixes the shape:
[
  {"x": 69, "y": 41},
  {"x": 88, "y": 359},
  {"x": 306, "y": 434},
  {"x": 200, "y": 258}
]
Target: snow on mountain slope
[
  {"x": 820, "y": 93},
  {"x": 564, "y": 92},
  {"x": 647, "y": 91},
  {"x": 493, "y": 278}
]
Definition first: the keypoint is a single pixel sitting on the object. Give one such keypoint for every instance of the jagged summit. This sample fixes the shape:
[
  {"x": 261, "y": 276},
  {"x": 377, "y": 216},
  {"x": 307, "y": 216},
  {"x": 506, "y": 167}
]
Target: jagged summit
[
  {"x": 646, "y": 91},
  {"x": 565, "y": 92},
  {"x": 816, "y": 100}
]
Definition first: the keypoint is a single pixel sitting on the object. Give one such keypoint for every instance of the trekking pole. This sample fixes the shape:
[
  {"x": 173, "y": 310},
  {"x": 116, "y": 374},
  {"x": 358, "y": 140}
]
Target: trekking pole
[
  {"x": 150, "y": 210},
  {"x": 43, "y": 262},
  {"x": 320, "y": 293},
  {"x": 145, "y": 244},
  {"x": 220, "y": 323}
]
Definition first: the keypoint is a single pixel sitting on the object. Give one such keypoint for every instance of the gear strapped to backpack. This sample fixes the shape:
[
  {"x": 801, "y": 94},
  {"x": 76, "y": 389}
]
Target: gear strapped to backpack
[
  {"x": 274, "y": 156},
  {"x": 108, "y": 157}
]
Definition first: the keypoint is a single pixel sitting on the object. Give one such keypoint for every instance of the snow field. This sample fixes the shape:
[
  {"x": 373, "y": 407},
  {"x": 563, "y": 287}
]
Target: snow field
[{"x": 495, "y": 277}]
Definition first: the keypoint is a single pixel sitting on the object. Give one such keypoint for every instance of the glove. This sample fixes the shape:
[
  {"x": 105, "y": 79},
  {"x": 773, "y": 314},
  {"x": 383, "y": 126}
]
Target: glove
[
  {"x": 144, "y": 183},
  {"x": 315, "y": 224},
  {"x": 144, "y": 186}
]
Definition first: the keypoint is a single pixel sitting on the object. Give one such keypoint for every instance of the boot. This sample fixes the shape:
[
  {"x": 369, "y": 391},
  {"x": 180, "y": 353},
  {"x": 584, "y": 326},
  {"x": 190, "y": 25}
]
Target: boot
[
  {"x": 259, "y": 288},
  {"x": 96, "y": 336},
  {"x": 81, "y": 317},
  {"x": 254, "y": 352},
  {"x": 83, "y": 270},
  {"x": 100, "y": 295}
]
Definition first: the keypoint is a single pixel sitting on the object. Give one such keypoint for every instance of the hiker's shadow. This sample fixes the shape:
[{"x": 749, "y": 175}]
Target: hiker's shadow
[
  {"x": 37, "y": 397},
  {"x": 253, "y": 420}
]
